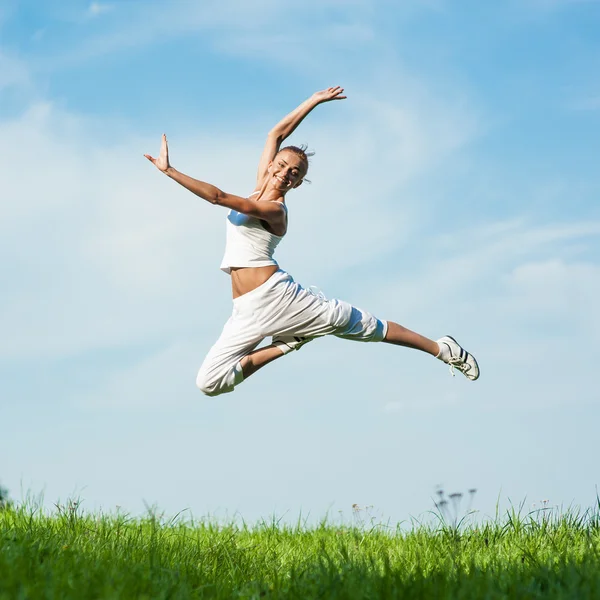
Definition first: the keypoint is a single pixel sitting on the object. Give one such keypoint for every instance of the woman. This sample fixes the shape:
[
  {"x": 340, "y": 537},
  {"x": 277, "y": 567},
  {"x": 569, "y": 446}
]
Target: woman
[{"x": 266, "y": 300}]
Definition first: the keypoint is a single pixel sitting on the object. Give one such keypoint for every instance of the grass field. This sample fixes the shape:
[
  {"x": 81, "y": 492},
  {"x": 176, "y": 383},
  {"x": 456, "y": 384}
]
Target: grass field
[{"x": 70, "y": 554}]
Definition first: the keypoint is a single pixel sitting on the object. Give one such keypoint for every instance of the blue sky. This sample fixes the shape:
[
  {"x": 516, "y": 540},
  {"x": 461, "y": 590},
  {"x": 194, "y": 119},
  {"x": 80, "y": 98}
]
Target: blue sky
[{"x": 455, "y": 191}]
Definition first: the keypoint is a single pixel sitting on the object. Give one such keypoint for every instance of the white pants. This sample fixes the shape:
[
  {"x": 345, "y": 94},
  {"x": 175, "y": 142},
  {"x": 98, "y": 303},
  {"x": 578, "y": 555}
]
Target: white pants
[{"x": 280, "y": 306}]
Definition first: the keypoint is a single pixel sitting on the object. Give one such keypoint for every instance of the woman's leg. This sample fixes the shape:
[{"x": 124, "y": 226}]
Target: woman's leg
[
  {"x": 253, "y": 361},
  {"x": 222, "y": 370},
  {"x": 400, "y": 336},
  {"x": 364, "y": 327},
  {"x": 447, "y": 349}
]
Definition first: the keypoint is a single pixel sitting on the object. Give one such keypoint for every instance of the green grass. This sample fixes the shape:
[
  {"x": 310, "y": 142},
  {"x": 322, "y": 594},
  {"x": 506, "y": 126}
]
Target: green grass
[{"x": 74, "y": 555}]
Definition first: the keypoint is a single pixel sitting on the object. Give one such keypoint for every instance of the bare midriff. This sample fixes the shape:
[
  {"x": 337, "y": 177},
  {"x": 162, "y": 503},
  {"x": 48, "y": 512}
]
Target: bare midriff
[{"x": 246, "y": 279}]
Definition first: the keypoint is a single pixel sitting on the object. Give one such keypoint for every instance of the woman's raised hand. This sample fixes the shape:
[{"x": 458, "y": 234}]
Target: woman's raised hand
[
  {"x": 332, "y": 93},
  {"x": 162, "y": 162}
]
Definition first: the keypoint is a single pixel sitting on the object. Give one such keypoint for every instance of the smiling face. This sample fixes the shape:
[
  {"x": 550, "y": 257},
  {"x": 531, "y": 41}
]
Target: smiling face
[{"x": 287, "y": 170}]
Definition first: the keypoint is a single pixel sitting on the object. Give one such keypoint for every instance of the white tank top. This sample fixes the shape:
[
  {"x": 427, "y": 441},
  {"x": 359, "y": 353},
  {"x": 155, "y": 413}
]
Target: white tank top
[{"x": 248, "y": 243}]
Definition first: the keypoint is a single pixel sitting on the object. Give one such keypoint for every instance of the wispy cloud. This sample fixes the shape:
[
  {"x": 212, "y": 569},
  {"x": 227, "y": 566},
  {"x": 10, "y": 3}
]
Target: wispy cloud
[
  {"x": 96, "y": 9},
  {"x": 233, "y": 27},
  {"x": 482, "y": 259},
  {"x": 13, "y": 72}
]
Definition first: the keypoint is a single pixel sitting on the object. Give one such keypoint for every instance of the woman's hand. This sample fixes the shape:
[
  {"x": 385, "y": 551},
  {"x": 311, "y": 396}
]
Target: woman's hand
[
  {"x": 162, "y": 162},
  {"x": 332, "y": 93}
]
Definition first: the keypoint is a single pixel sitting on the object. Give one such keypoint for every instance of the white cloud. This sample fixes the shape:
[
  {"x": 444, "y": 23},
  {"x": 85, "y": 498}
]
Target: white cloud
[
  {"x": 96, "y": 9},
  {"x": 554, "y": 291},
  {"x": 237, "y": 27},
  {"x": 146, "y": 22},
  {"x": 470, "y": 266},
  {"x": 329, "y": 39}
]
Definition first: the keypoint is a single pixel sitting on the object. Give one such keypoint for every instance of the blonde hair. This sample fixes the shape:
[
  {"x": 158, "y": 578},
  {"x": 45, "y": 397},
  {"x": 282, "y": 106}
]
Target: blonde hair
[{"x": 302, "y": 152}]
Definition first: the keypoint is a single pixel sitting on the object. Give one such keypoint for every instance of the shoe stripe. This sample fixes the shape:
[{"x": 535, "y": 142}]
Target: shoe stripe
[{"x": 465, "y": 356}]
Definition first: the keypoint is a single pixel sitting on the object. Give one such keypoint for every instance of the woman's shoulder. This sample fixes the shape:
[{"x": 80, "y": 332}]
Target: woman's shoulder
[{"x": 281, "y": 201}]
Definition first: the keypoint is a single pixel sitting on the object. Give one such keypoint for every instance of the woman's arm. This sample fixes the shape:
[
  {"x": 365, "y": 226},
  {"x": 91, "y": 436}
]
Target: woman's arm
[
  {"x": 272, "y": 212},
  {"x": 289, "y": 123}
]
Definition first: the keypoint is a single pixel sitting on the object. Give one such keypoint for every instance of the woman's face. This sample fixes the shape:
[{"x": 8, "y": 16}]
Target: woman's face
[{"x": 287, "y": 170}]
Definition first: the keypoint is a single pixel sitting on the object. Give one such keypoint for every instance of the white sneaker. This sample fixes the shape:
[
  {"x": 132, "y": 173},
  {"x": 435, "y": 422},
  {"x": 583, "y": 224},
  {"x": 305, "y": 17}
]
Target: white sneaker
[
  {"x": 457, "y": 357},
  {"x": 287, "y": 343}
]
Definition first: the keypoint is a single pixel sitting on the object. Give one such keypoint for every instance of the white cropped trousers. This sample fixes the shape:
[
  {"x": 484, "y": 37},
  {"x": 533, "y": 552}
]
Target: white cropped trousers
[{"x": 280, "y": 306}]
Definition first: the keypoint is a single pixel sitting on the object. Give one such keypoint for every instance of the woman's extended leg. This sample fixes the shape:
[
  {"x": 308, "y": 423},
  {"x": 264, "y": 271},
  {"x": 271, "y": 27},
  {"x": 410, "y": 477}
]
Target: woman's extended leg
[
  {"x": 447, "y": 349},
  {"x": 396, "y": 335},
  {"x": 400, "y": 336}
]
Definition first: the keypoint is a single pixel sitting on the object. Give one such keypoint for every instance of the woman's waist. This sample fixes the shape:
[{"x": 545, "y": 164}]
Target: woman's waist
[{"x": 247, "y": 279}]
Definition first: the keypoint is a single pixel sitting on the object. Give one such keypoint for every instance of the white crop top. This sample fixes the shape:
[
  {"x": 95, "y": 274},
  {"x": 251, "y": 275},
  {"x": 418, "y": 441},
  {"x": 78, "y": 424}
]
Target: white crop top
[{"x": 248, "y": 243}]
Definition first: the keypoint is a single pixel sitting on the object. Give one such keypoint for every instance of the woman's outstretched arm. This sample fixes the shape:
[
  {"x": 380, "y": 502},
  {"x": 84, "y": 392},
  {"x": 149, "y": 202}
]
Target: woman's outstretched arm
[
  {"x": 288, "y": 124},
  {"x": 272, "y": 212}
]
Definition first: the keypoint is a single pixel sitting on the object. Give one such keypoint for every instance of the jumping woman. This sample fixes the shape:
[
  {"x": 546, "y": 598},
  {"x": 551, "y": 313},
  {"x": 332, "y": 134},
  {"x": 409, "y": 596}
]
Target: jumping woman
[{"x": 267, "y": 302}]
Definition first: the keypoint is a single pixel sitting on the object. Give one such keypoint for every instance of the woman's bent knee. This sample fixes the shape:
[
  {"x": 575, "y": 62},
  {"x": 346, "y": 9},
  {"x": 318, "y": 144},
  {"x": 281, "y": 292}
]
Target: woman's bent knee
[
  {"x": 209, "y": 386},
  {"x": 214, "y": 384}
]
